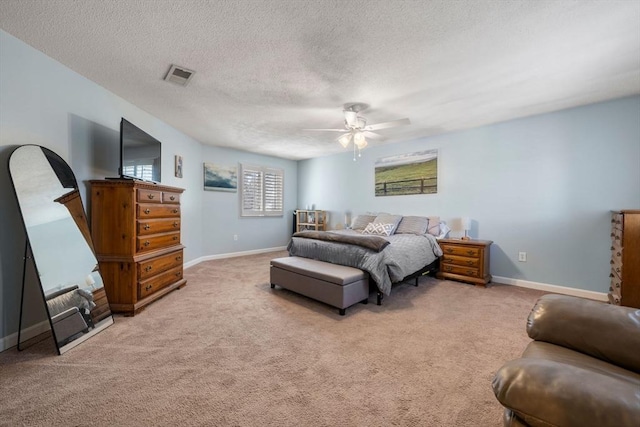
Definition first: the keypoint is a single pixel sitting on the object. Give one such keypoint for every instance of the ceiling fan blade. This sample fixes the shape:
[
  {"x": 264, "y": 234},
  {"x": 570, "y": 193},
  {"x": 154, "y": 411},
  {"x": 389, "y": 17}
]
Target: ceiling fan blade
[
  {"x": 329, "y": 130},
  {"x": 351, "y": 118},
  {"x": 373, "y": 135},
  {"x": 385, "y": 125}
]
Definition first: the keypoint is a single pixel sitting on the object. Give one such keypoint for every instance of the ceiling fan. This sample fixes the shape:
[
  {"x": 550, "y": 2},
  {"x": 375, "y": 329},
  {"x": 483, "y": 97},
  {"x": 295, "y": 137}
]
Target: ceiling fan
[{"x": 356, "y": 127}]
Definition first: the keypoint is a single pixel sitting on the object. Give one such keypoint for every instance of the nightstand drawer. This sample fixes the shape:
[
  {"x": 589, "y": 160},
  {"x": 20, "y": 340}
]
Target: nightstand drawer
[
  {"x": 463, "y": 271},
  {"x": 461, "y": 250},
  {"x": 461, "y": 260}
]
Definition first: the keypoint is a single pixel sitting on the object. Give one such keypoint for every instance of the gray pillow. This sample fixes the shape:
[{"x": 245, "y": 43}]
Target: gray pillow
[
  {"x": 413, "y": 225},
  {"x": 360, "y": 222},
  {"x": 384, "y": 218}
]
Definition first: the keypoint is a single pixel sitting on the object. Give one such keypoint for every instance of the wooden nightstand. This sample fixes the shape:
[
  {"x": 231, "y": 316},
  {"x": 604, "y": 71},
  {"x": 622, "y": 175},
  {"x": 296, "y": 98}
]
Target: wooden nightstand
[{"x": 465, "y": 260}]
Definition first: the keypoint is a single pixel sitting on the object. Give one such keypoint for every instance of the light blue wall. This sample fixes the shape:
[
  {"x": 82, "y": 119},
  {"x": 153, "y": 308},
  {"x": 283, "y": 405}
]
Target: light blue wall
[
  {"x": 221, "y": 210},
  {"x": 543, "y": 184},
  {"x": 43, "y": 102}
]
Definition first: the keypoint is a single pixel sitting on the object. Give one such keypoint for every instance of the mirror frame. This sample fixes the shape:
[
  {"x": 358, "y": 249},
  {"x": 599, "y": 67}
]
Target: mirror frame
[{"x": 73, "y": 202}]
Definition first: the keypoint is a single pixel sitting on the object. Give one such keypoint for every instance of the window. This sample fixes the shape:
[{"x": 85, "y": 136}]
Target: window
[{"x": 262, "y": 191}]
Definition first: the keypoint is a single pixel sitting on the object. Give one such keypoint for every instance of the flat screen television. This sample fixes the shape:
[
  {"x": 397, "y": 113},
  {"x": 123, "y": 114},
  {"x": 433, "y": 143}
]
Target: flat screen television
[{"x": 140, "y": 154}]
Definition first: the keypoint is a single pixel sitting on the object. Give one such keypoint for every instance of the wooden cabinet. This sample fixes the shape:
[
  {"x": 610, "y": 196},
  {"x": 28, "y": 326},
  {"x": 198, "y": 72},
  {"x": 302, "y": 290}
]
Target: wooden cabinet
[
  {"x": 625, "y": 258},
  {"x": 311, "y": 220},
  {"x": 465, "y": 260},
  {"x": 135, "y": 227}
]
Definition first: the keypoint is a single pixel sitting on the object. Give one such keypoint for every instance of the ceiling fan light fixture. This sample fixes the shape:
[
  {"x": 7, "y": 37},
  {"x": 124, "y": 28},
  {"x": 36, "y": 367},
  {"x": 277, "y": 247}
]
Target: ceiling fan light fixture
[
  {"x": 361, "y": 144},
  {"x": 344, "y": 140}
]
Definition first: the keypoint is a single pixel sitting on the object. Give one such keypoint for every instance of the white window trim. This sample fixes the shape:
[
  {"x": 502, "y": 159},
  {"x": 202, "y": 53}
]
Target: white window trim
[{"x": 260, "y": 210}]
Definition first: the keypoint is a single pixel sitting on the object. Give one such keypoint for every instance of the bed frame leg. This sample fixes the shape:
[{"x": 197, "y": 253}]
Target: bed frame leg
[
  {"x": 273, "y": 286},
  {"x": 416, "y": 285},
  {"x": 342, "y": 311},
  {"x": 380, "y": 296}
]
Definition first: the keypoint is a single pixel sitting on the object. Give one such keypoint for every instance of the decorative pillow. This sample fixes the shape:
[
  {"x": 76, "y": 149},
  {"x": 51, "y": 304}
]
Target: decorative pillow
[
  {"x": 378, "y": 228},
  {"x": 361, "y": 221},
  {"x": 413, "y": 225},
  {"x": 384, "y": 218},
  {"x": 434, "y": 225}
]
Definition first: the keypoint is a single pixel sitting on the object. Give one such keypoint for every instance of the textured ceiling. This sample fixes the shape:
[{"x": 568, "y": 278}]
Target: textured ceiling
[{"x": 266, "y": 70}]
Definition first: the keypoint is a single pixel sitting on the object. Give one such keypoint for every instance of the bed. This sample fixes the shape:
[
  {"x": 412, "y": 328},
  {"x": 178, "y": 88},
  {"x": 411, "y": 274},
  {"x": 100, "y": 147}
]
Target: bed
[{"x": 412, "y": 247}]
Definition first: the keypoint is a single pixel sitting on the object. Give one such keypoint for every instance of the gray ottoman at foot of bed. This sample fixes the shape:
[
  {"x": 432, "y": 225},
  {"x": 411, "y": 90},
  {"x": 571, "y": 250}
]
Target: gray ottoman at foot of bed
[{"x": 337, "y": 285}]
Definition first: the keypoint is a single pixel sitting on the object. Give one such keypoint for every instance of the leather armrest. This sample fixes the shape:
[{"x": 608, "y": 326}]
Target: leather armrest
[{"x": 607, "y": 332}]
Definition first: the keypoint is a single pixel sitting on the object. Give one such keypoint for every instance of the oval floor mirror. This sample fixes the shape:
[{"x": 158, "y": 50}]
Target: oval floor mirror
[{"x": 59, "y": 242}]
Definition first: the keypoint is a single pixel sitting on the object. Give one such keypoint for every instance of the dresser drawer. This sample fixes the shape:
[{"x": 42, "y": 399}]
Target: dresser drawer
[
  {"x": 458, "y": 269},
  {"x": 155, "y": 226},
  {"x": 157, "y": 241},
  {"x": 147, "y": 196},
  {"x": 460, "y": 250},
  {"x": 168, "y": 197},
  {"x": 157, "y": 265},
  {"x": 157, "y": 211},
  {"x": 460, "y": 260},
  {"x": 154, "y": 284}
]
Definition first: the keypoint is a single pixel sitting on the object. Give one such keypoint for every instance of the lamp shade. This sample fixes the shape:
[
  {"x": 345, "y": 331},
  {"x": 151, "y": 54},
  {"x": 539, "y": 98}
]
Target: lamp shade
[{"x": 466, "y": 223}]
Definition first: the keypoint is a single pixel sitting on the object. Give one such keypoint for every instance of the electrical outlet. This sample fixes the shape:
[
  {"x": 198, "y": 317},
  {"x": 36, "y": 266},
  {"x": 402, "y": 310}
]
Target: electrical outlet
[
  {"x": 522, "y": 256},
  {"x": 235, "y": 237}
]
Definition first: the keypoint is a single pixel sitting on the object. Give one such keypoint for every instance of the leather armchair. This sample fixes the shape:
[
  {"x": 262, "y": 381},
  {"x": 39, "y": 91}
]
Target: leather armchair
[{"x": 582, "y": 369}]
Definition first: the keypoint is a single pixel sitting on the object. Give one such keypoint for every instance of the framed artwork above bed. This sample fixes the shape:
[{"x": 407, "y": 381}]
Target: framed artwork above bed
[{"x": 406, "y": 174}]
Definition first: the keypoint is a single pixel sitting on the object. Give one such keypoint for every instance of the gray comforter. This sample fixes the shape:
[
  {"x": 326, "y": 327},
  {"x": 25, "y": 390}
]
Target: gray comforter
[{"x": 406, "y": 254}]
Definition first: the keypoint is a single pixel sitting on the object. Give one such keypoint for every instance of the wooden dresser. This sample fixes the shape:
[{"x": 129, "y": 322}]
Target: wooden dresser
[
  {"x": 465, "y": 260},
  {"x": 625, "y": 258},
  {"x": 135, "y": 227}
]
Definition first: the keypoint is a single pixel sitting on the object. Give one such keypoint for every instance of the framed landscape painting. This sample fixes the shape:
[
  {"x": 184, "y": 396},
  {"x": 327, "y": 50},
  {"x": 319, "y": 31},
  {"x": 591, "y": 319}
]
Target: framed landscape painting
[
  {"x": 404, "y": 174},
  {"x": 220, "y": 178}
]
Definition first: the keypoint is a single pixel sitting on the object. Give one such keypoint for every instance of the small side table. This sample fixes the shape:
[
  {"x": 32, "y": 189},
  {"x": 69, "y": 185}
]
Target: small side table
[{"x": 465, "y": 260}]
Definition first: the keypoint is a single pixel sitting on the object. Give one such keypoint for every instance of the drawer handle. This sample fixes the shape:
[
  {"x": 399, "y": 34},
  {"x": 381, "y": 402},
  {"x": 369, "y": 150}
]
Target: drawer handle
[
  {"x": 178, "y": 274},
  {"x": 449, "y": 250},
  {"x": 178, "y": 258},
  {"x": 175, "y": 224},
  {"x": 175, "y": 211},
  {"x": 470, "y": 262},
  {"x": 175, "y": 237},
  {"x": 146, "y": 243},
  {"x": 147, "y": 211},
  {"x": 148, "y": 288},
  {"x": 447, "y": 268},
  {"x": 148, "y": 268},
  {"x": 146, "y": 226},
  {"x": 471, "y": 273},
  {"x": 172, "y": 198},
  {"x": 150, "y": 196},
  {"x": 470, "y": 252}
]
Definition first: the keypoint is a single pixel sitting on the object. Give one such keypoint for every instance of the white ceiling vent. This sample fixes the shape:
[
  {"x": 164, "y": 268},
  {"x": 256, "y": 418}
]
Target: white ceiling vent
[{"x": 179, "y": 75}]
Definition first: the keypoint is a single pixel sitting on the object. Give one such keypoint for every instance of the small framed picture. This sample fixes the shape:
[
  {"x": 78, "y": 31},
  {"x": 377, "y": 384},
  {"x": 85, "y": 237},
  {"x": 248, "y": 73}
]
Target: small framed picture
[{"x": 178, "y": 166}]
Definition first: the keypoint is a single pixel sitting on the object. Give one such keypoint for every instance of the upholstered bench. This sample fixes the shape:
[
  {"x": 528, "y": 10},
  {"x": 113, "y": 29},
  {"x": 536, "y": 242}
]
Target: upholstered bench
[{"x": 337, "y": 285}]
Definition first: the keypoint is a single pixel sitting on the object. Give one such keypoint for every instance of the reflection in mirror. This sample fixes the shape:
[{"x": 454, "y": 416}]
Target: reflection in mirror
[{"x": 61, "y": 246}]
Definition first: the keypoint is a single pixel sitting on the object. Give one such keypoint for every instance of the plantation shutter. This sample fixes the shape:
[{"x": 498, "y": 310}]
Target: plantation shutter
[
  {"x": 273, "y": 191},
  {"x": 262, "y": 191}
]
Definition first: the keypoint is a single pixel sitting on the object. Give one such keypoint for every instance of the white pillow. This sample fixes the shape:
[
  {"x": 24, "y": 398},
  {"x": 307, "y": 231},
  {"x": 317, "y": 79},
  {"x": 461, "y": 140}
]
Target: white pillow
[{"x": 379, "y": 229}]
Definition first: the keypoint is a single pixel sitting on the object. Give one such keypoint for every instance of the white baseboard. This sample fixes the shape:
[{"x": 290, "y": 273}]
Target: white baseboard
[
  {"x": 232, "y": 255},
  {"x": 598, "y": 296},
  {"x": 27, "y": 333}
]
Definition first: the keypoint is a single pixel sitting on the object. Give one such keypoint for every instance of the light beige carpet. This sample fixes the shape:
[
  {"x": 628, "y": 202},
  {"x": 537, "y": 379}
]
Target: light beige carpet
[{"x": 227, "y": 350}]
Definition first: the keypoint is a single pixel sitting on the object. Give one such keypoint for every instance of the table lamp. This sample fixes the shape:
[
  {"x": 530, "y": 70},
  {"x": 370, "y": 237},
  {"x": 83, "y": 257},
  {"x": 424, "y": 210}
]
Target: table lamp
[{"x": 466, "y": 225}]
